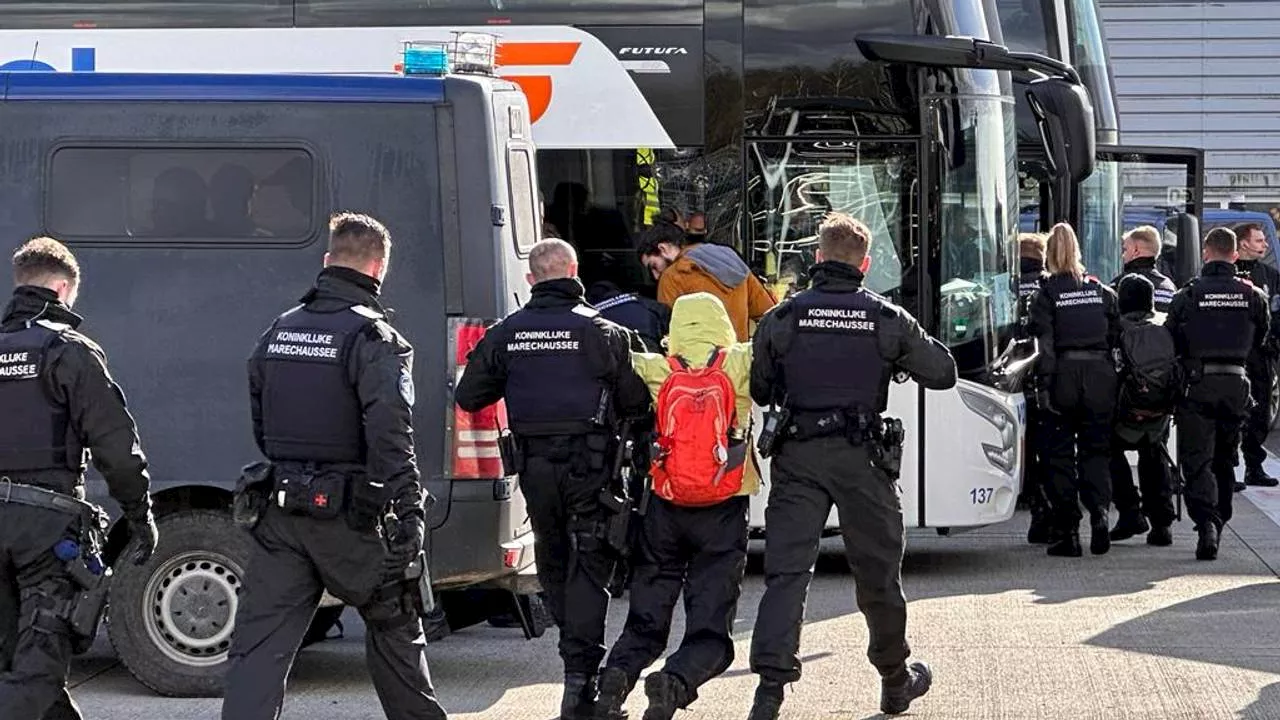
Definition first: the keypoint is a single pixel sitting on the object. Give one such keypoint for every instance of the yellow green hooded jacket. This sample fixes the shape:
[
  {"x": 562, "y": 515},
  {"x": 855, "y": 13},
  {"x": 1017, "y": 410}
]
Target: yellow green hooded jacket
[{"x": 699, "y": 323}]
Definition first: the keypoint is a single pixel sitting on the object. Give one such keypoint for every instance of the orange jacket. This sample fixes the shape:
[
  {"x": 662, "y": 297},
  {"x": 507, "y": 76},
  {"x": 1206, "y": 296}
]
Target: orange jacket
[{"x": 715, "y": 269}]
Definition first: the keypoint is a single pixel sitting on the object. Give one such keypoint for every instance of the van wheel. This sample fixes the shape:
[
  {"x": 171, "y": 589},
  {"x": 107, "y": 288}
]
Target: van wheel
[{"x": 170, "y": 621}]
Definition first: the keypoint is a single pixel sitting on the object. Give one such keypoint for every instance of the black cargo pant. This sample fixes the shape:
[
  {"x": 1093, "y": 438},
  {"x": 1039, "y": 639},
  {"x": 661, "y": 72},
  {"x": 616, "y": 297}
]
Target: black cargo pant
[
  {"x": 701, "y": 552},
  {"x": 294, "y": 560},
  {"x": 809, "y": 477},
  {"x": 1078, "y": 439},
  {"x": 35, "y": 643},
  {"x": 562, "y": 489},
  {"x": 1154, "y": 480},
  {"x": 1209, "y": 421},
  {"x": 1258, "y": 423}
]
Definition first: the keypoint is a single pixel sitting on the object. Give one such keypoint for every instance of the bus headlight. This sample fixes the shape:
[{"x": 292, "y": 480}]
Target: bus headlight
[{"x": 1004, "y": 455}]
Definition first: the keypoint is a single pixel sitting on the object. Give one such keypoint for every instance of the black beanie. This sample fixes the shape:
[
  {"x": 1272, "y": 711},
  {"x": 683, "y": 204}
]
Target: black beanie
[{"x": 1137, "y": 294}]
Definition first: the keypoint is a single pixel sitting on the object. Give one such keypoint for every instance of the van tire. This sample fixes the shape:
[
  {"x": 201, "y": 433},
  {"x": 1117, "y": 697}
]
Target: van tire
[{"x": 170, "y": 620}]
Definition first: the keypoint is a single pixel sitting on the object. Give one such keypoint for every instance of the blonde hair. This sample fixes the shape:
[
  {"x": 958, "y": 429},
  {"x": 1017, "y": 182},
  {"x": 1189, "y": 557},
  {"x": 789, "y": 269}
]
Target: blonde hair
[
  {"x": 1031, "y": 245},
  {"x": 1064, "y": 252},
  {"x": 1147, "y": 237},
  {"x": 843, "y": 238}
]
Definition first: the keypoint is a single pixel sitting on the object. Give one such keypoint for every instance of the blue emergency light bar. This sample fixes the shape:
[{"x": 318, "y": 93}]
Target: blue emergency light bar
[{"x": 27, "y": 86}]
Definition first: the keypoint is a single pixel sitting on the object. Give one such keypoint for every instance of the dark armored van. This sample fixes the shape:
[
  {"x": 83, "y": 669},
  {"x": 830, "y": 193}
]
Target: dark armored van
[{"x": 197, "y": 206}]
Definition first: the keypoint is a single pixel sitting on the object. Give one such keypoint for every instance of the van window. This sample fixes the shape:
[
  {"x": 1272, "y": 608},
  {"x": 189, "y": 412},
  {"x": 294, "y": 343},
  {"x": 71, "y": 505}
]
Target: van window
[
  {"x": 524, "y": 209},
  {"x": 182, "y": 194}
]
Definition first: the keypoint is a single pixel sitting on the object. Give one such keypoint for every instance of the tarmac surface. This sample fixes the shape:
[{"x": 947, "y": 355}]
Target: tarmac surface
[{"x": 1140, "y": 633}]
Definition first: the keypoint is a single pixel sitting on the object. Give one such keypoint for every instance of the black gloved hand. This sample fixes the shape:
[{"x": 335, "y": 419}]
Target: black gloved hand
[
  {"x": 143, "y": 534},
  {"x": 409, "y": 535}
]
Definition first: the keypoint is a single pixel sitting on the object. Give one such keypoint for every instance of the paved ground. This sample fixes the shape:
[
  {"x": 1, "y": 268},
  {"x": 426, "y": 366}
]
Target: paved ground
[{"x": 1012, "y": 635}]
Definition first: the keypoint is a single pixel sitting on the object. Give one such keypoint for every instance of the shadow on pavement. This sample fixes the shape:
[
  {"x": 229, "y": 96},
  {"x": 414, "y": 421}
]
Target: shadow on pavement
[
  {"x": 1235, "y": 628},
  {"x": 1266, "y": 707}
]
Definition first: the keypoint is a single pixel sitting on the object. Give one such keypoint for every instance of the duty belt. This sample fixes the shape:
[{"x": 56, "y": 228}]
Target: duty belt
[
  {"x": 1213, "y": 368},
  {"x": 1084, "y": 355},
  {"x": 810, "y": 424},
  {"x": 31, "y": 496}
]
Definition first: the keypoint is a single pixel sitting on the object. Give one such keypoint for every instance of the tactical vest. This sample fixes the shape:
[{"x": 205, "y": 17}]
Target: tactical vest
[
  {"x": 1164, "y": 289},
  {"x": 1219, "y": 325},
  {"x": 310, "y": 409},
  {"x": 33, "y": 430},
  {"x": 1079, "y": 313},
  {"x": 834, "y": 360},
  {"x": 553, "y": 385},
  {"x": 1029, "y": 283}
]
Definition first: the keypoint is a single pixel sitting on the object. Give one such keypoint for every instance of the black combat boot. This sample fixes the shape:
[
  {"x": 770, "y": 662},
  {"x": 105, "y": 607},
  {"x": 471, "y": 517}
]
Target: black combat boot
[
  {"x": 768, "y": 701},
  {"x": 1160, "y": 536},
  {"x": 1099, "y": 535},
  {"x": 666, "y": 693},
  {"x": 1130, "y": 523},
  {"x": 614, "y": 688},
  {"x": 1066, "y": 543},
  {"x": 1040, "y": 531},
  {"x": 579, "y": 699},
  {"x": 1257, "y": 477},
  {"x": 897, "y": 692},
  {"x": 1207, "y": 548}
]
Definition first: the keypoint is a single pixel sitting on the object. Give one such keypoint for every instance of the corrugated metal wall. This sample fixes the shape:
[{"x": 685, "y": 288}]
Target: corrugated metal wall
[{"x": 1203, "y": 74}]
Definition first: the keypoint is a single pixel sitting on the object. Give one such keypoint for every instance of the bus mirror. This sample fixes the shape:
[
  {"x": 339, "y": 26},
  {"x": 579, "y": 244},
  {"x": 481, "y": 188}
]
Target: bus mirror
[
  {"x": 1186, "y": 261},
  {"x": 1065, "y": 118}
]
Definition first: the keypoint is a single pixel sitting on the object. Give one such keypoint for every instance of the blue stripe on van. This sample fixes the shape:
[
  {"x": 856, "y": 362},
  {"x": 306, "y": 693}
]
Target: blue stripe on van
[{"x": 242, "y": 88}]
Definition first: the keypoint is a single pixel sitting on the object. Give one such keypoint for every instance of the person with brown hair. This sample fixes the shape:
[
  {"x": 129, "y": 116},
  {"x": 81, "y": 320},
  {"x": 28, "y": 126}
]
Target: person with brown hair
[
  {"x": 1252, "y": 243},
  {"x": 1077, "y": 322},
  {"x": 827, "y": 355},
  {"x": 60, "y": 408},
  {"x": 1217, "y": 321},
  {"x": 331, "y": 397}
]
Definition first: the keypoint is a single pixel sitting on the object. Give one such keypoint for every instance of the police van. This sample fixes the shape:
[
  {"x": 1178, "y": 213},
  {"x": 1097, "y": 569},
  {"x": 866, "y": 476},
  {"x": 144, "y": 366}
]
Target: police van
[{"x": 197, "y": 206}]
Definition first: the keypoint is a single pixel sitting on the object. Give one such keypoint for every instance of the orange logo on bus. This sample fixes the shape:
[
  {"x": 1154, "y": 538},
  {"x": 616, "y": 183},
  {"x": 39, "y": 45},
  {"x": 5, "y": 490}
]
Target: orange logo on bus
[{"x": 537, "y": 88}]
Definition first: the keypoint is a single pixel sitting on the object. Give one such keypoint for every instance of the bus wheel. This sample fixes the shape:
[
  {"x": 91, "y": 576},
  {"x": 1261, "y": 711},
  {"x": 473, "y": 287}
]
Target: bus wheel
[{"x": 170, "y": 620}]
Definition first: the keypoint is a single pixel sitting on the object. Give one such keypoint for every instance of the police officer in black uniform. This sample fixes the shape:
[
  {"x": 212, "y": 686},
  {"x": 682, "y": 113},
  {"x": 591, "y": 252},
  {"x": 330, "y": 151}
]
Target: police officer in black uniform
[
  {"x": 566, "y": 375},
  {"x": 1252, "y": 244},
  {"x": 646, "y": 317},
  {"x": 331, "y": 393},
  {"x": 59, "y": 402},
  {"x": 1217, "y": 321},
  {"x": 1031, "y": 247},
  {"x": 836, "y": 449},
  {"x": 1140, "y": 250},
  {"x": 1078, "y": 324}
]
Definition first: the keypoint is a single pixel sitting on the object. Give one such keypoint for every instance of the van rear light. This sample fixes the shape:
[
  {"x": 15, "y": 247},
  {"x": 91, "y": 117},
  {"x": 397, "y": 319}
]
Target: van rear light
[{"x": 472, "y": 439}]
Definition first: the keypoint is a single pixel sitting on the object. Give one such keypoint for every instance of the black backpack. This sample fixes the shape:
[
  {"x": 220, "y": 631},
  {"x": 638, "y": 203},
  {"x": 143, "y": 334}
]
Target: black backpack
[{"x": 1151, "y": 381}]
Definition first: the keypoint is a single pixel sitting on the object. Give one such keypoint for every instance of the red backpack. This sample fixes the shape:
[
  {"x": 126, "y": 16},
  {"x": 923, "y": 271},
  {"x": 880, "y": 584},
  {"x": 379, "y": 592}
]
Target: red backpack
[{"x": 695, "y": 465}]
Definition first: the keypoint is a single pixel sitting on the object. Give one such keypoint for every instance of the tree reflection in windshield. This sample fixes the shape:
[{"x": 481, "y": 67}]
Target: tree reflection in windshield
[{"x": 796, "y": 184}]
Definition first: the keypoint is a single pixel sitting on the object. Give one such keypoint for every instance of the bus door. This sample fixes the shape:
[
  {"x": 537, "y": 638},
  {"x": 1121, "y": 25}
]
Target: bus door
[
  {"x": 1132, "y": 186},
  {"x": 791, "y": 186}
]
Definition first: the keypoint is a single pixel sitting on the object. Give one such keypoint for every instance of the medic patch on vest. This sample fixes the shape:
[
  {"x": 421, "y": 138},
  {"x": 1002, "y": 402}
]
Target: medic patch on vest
[
  {"x": 1072, "y": 298},
  {"x": 406, "y": 387},
  {"x": 545, "y": 342},
  {"x": 1227, "y": 300},
  {"x": 19, "y": 365},
  {"x": 301, "y": 344},
  {"x": 839, "y": 320}
]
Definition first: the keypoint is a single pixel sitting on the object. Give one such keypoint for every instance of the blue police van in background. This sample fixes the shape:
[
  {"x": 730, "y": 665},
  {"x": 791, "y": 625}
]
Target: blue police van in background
[{"x": 197, "y": 206}]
